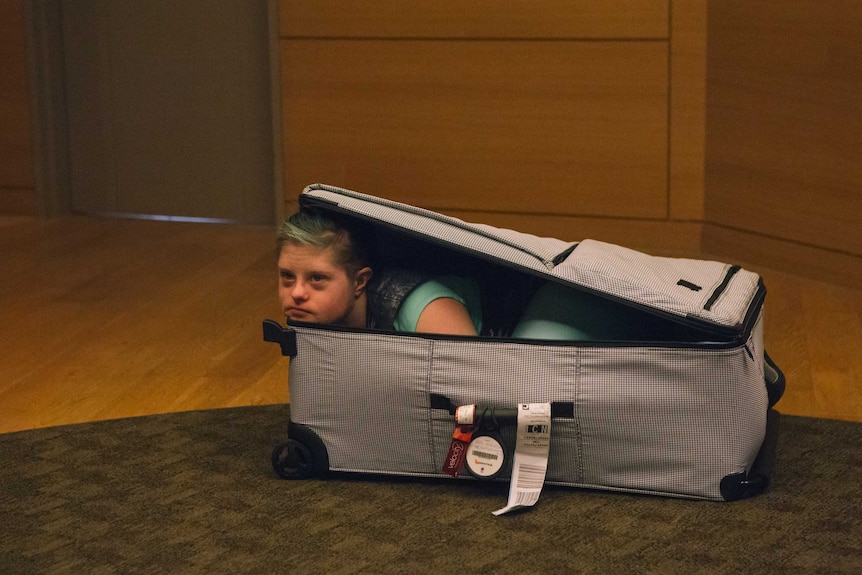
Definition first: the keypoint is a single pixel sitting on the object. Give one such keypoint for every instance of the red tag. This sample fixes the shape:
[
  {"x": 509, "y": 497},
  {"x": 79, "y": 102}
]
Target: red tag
[{"x": 458, "y": 450}]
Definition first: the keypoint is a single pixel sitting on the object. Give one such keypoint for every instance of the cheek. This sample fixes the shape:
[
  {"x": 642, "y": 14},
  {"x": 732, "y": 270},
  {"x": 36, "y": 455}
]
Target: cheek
[
  {"x": 331, "y": 302},
  {"x": 334, "y": 304},
  {"x": 283, "y": 293}
]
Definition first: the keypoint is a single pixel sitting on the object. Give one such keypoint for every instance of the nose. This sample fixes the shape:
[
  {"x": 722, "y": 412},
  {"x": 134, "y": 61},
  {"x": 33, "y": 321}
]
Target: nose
[{"x": 299, "y": 292}]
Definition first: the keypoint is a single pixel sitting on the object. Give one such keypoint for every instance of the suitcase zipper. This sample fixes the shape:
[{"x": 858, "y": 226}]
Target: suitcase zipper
[
  {"x": 732, "y": 271},
  {"x": 700, "y": 345}
]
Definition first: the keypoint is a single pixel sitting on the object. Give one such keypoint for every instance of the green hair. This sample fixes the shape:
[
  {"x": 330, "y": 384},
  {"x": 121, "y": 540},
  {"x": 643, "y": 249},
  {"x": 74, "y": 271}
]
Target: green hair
[{"x": 351, "y": 243}]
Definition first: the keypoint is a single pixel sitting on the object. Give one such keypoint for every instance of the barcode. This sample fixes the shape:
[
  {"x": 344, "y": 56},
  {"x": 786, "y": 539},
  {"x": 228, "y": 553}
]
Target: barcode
[
  {"x": 530, "y": 476},
  {"x": 484, "y": 455},
  {"x": 526, "y": 498}
]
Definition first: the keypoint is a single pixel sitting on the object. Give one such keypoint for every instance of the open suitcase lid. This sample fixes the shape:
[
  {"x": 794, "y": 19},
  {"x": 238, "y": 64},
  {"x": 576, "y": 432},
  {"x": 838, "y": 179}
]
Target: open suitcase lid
[{"x": 713, "y": 295}]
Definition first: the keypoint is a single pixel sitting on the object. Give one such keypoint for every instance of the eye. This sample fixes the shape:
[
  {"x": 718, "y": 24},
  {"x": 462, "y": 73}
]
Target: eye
[
  {"x": 285, "y": 276},
  {"x": 318, "y": 278}
]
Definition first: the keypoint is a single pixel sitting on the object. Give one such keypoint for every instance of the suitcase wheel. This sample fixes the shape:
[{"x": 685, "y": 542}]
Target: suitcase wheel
[{"x": 292, "y": 460}]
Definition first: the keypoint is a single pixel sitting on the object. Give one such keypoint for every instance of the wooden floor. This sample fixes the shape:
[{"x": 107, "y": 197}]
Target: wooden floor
[{"x": 106, "y": 318}]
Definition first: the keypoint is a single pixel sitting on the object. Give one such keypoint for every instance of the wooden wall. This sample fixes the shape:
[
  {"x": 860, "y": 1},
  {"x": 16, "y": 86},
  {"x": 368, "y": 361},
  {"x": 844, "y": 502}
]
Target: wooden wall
[
  {"x": 577, "y": 120},
  {"x": 17, "y": 183},
  {"x": 784, "y": 135},
  {"x": 587, "y": 119}
]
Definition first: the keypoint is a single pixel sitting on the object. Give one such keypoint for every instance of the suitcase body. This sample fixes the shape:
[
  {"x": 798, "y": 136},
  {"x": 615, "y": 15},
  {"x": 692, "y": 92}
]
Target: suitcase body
[{"x": 687, "y": 414}]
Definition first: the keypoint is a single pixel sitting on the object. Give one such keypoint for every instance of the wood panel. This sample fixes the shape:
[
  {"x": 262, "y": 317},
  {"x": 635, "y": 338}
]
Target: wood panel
[
  {"x": 18, "y": 201},
  {"x": 474, "y": 19},
  {"x": 784, "y": 121},
  {"x": 823, "y": 264},
  {"x": 577, "y": 128},
  {"x": 17, "y": 184},
  {"x": 687, "y": 110}
]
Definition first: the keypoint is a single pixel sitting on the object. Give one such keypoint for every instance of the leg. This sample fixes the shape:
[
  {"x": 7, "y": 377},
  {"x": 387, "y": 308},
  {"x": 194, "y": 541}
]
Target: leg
[{"x": 560, "y": 312}]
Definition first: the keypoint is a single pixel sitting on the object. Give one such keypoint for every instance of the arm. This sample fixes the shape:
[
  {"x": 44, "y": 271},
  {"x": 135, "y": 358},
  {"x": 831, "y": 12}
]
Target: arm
[
  {"x": 445, "y": 315},
  {"x": 443, "y": 304}
]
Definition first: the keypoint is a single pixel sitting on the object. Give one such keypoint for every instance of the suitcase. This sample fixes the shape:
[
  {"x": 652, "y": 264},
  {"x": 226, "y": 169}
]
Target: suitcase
[{"x": 687, "y": 414}]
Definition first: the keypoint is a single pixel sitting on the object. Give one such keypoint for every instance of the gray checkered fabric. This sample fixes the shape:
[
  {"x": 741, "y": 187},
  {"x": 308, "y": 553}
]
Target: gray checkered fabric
[
  {"x": 661, "y": 419},
  {"x": 647, "y": 419},
  {"x": 655, "y": 281}
]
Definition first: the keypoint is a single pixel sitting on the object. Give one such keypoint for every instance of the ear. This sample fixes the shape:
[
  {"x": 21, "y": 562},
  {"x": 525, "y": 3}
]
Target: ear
[{"x": 361, "y": 279}]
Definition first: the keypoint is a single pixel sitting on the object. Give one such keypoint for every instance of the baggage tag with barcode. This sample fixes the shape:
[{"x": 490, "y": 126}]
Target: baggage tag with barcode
[{"x": 531, "y": 456}]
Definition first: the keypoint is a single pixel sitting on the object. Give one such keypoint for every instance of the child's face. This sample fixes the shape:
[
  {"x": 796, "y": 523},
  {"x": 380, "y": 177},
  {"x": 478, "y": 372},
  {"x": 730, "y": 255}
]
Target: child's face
[{"x": 313, "y": 288}]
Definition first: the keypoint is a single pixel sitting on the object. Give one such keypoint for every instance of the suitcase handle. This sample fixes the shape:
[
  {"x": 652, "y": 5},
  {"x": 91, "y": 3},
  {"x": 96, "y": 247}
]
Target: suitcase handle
[{"x": 504, "y": 415}]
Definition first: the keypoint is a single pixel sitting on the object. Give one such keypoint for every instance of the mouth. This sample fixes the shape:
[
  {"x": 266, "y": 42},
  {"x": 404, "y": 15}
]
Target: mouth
[{"x": 298, "y": 314}]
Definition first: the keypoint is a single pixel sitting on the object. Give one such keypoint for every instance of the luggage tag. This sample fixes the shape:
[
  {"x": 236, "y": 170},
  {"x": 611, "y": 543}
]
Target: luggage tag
[
  {"x": 486, "y": 454},
  {"x": 461, "y": 438},
  {"x": 531, "y": 456}
]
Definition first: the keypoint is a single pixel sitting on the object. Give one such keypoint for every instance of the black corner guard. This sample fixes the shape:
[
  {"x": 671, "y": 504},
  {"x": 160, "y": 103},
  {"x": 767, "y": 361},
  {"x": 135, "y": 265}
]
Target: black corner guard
[
  {"x": 284, "y": 336},
  {"x": 756, "y": 481}
]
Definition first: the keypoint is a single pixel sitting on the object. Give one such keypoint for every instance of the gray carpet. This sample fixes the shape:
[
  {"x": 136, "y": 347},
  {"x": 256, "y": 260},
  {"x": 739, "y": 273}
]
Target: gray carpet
[{"x": 195, "y": 493}]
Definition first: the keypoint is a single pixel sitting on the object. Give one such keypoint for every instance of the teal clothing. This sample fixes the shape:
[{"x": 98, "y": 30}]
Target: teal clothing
[
  {"x": 559, "y": 312},
  {"x": 463, "y": 290},
  {"x": 555, "y": 312}
]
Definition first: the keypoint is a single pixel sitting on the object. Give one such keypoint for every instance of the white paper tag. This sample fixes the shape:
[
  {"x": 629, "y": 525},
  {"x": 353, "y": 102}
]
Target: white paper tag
[
  {"x": 464, "y": 414},
  {"x": 531, "y": 456}
]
